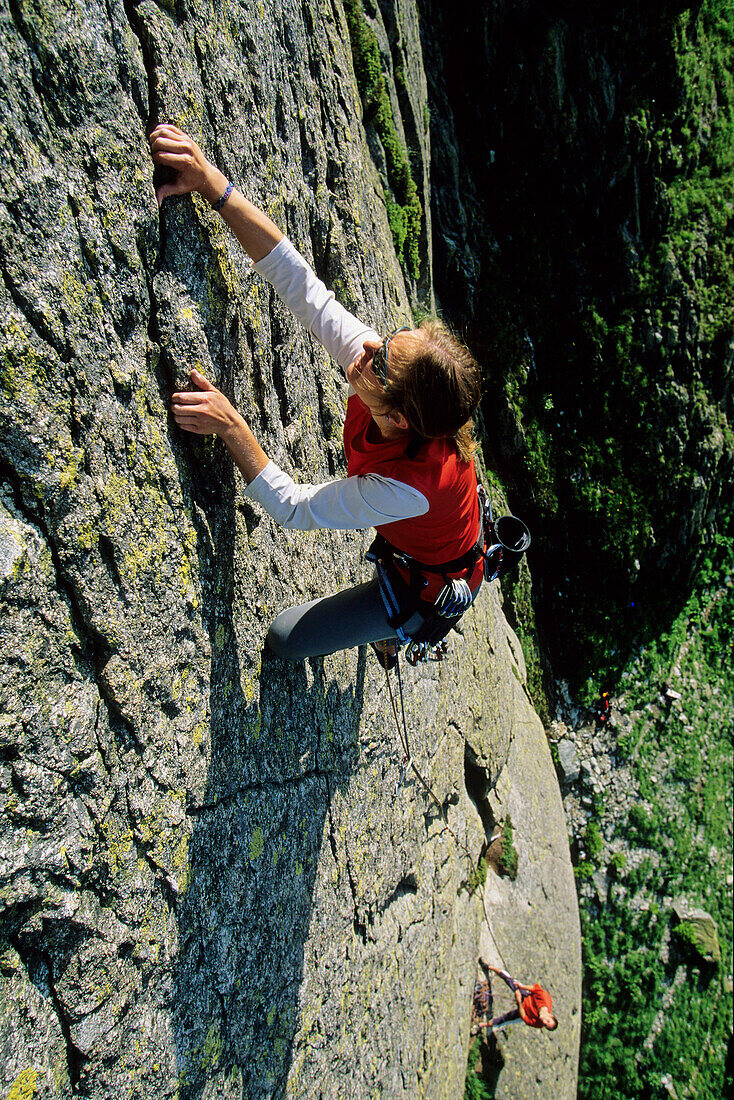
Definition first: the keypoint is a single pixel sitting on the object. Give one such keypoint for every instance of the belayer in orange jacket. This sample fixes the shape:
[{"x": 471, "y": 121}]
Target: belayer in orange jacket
[{"x": 534, "y": 1004}]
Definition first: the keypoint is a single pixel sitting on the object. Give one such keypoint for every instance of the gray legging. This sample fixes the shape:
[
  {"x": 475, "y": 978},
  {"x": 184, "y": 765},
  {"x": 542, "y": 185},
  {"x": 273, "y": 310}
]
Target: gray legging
[
  {"x": 514, "y": 1013},
  {"x": 349, "y": 618}
]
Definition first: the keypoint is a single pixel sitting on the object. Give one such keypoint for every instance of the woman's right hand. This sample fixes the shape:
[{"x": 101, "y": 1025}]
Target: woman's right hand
[
  {"x": 172, "y": 148},
  {"x": 204, "y": 410}
]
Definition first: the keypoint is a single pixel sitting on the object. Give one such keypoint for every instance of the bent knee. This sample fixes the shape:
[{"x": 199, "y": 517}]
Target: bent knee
[
  {"x": 288, "y": 638},
  {"x": 280, "y": 641}
]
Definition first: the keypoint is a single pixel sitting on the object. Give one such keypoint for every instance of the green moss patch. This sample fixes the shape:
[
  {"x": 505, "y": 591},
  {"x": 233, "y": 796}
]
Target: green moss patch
[{"x": 404, "y": 209}]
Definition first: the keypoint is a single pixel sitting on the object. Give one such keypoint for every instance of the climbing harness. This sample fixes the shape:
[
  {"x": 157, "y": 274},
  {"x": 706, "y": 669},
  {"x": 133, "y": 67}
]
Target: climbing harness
[
  {"x": 402, "y": 598},
  {"x": 421, "y": 625}
]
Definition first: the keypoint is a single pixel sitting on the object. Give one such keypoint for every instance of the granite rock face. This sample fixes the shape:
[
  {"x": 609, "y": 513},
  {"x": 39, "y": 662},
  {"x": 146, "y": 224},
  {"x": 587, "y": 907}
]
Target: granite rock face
[{"x": 209, "y": 886}]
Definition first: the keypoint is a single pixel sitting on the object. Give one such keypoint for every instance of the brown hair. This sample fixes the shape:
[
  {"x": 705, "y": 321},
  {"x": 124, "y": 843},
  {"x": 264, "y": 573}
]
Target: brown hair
[{"x": 436, "y": 383}]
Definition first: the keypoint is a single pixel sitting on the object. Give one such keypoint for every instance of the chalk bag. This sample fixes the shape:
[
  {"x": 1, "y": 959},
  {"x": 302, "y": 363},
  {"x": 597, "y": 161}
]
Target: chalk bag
[{"x": 508, "y": 540}]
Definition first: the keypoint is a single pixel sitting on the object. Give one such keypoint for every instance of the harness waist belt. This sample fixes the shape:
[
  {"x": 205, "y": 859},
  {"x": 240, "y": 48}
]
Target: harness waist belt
[{"x": 457, "y": 565}]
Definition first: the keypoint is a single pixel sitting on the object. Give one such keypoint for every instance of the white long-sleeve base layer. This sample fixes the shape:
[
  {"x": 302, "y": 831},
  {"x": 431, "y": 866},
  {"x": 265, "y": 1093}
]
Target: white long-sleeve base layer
[{"x": 351, "y": 503}]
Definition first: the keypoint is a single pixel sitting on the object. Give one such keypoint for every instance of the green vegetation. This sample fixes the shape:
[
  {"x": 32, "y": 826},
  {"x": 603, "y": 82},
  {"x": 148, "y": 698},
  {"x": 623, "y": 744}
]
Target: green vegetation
[
  {"x": 642, "y": 966},
  {"x": 688, "y": 935},
  {"x": 625, "y": 405},
  {"x": 617, "y": 865},
  {"x": 622, "y": 410},
  {"x": 482, "y": 1069},
  {"x": 508, "y": 860},
  {"x": 517, "y": 591},
  {"x": 477, "y": 878},
  {"x": 594, "y": 841},
  {"x": 474, "y": 1086},
  {"x": 517, "y": 588},
  {"x": 404, "y": 209}
]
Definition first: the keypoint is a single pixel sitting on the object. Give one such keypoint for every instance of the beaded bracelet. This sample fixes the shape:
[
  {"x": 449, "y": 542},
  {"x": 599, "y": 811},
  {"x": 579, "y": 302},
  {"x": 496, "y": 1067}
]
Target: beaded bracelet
[{"x": 221, "y": 201}]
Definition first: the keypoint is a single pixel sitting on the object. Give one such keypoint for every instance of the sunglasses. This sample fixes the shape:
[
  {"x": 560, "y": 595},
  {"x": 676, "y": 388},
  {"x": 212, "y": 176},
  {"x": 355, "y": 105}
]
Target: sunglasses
[{"x": 379, "y": 359}]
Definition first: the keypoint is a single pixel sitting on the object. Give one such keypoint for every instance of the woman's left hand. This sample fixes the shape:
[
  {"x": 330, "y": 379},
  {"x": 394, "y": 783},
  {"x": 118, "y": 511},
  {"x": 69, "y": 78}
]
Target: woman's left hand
[{"x": 205, "y": 410}]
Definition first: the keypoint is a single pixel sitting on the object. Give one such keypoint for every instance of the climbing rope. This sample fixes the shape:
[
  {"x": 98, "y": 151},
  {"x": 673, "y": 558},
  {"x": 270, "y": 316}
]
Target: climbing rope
[
  {"x": 408, "y": 762},
  {"x": 489, "y": 929}
]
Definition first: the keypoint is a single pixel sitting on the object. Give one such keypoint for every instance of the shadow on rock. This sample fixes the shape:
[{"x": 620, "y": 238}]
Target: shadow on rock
[
  {"x": 245, "y": 916},
  {"x": 489, "y": 1066},
  {"x": 282, "y": 740}
]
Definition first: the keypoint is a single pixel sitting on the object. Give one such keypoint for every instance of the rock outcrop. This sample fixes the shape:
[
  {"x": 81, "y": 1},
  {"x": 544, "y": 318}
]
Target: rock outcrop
[
  {"x": 699, "y": 929},
  {"x": 209, "y": 886}
]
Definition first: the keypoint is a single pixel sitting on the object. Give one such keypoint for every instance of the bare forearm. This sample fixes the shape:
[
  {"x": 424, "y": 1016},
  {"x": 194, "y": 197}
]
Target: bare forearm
[
  {"x": 172, "y": 148},
  {"x": 255, "y": 231},
  {"x": 246, "y": 452},
  {"x": 206, "y": 411}
]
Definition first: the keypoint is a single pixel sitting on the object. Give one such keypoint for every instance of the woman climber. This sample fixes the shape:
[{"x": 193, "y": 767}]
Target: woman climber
[{"x": 407, "y": 440}]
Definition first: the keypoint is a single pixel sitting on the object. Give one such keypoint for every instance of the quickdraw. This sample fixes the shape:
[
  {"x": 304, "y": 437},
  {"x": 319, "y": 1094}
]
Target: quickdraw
[{"x": 422, "y": 651}]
